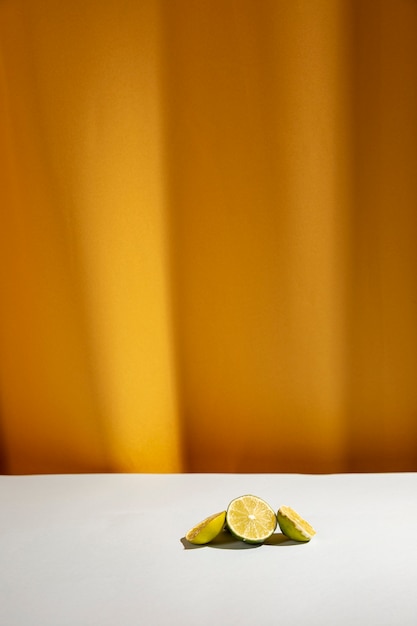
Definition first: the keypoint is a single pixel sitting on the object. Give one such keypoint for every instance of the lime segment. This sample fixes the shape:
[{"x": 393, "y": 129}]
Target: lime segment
[
  {"x": 293, "y": 525},
  {"x": 251, "y": 519},
  {"x": 207, "y": 530}
]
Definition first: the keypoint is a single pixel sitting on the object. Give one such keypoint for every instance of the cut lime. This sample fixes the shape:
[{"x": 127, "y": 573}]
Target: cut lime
[
  {"x": 251, "y": 519},
  {"x": 293, "y": 526},
  {"x": 207, "y": 530}
]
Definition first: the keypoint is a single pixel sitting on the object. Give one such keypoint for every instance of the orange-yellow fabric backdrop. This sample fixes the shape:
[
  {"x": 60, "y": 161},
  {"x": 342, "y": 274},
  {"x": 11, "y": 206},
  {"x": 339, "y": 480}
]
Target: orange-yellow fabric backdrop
[{"x": 208, "y": 235}]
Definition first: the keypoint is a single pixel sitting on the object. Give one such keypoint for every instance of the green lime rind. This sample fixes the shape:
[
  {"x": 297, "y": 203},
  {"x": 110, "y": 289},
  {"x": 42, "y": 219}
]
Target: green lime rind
[
  {"x": 293, "y": 526},
  {"x": 250, "y": 519},
  {"x": 207, "y": 530}
]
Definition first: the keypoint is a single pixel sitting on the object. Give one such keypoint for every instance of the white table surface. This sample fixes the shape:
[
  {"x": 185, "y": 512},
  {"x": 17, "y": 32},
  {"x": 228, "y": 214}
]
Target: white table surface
[{"x": 109, "y": 550}]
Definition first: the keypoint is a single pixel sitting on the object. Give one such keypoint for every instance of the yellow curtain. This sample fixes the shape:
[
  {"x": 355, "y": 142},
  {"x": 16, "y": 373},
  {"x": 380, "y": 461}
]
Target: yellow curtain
[{"x": 208, "y": 235}]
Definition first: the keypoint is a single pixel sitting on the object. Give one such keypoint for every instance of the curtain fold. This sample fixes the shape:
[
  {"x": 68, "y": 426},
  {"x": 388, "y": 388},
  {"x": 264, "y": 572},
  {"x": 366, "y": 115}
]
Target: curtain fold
[{"x": 208, "y": 227}]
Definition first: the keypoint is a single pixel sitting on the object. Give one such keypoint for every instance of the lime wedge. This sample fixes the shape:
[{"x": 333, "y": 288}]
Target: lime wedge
[
  {"x": 251, "y": 519},
  {"x": 207, "y": 530},
  {"x": 293, "y": 526}
]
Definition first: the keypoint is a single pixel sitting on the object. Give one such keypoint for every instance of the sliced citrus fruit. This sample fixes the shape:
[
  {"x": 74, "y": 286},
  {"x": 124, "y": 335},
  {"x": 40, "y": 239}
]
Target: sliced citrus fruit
[
  {"x": 293, "y": 525},
  {"x": 207, "y": 530},
  {"x": 251, "y": 519}
]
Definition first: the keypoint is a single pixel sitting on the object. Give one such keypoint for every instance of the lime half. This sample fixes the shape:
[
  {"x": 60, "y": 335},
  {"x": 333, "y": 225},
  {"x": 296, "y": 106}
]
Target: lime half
[
  {"x": 251, "y": 519},
  {"x": 293, "y": 526},
  {"x": 207, "y": 530}
]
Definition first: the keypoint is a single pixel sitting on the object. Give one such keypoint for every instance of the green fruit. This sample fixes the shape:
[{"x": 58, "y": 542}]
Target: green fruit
[
  {"x": 251, "y": 519},
  {"x": 293, "y": 526},
  {"x": 207, "y": 530}
]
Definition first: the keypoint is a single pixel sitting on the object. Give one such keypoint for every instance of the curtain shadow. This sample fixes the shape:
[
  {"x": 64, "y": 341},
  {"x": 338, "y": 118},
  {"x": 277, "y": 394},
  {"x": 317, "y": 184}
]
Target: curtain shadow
[{"x": 381, "y": 396}]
